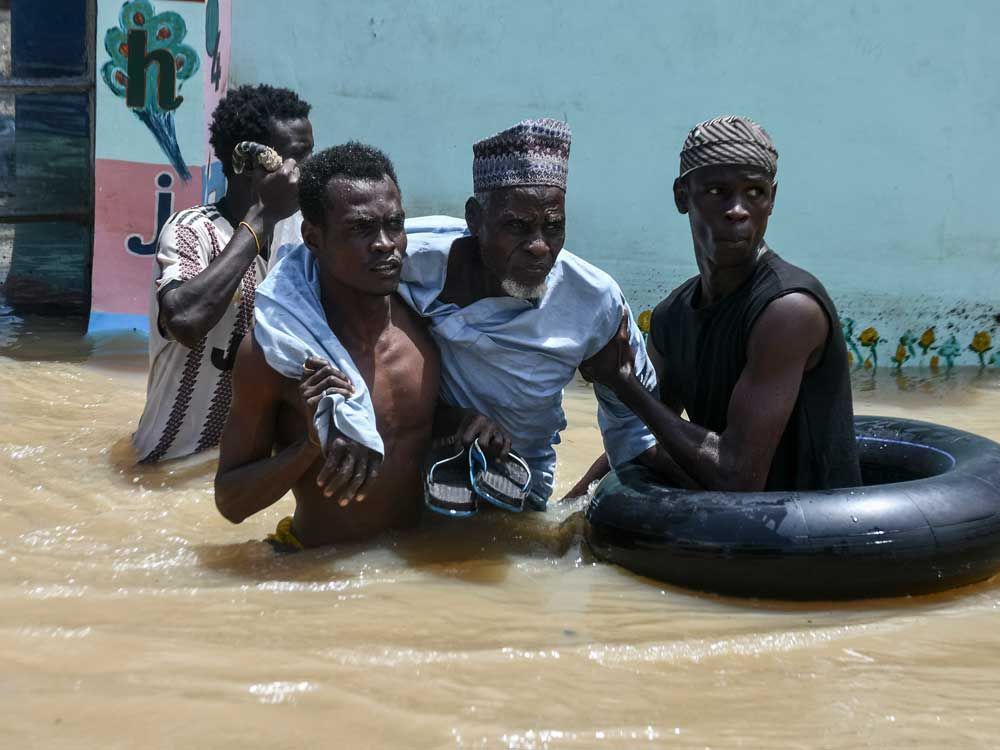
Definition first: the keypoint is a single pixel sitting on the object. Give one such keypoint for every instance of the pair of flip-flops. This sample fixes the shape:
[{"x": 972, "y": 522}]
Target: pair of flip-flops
[{"x": 457, "y": 478}]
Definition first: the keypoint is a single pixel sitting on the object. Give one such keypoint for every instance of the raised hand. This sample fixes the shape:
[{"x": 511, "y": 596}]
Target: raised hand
[{"x": 277, "y": 193}]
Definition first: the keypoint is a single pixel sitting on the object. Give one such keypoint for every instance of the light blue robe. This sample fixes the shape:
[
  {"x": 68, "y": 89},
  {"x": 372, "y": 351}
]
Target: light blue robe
[{"x": 510, "y": 359}]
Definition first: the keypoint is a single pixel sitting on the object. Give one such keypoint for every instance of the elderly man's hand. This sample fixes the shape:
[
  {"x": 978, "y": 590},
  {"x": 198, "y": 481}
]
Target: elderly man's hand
[
  {"x": 320, "y": 378},
  {"x": 493, "y": 439},
  {"x": 614, "y": 365},
  {"x": 349, "y": 470}
]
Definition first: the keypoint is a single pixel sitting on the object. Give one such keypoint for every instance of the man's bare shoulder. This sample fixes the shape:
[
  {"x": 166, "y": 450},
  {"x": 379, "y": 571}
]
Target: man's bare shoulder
[
  {"x": 253, "y": 371},
  {"x": 798, "y": 312},
  {"x": 792, "y": 326}
]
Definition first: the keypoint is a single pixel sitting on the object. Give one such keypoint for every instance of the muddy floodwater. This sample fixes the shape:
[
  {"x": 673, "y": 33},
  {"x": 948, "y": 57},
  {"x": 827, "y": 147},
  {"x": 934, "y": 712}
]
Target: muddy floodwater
[{"x": 133, "y": 615}]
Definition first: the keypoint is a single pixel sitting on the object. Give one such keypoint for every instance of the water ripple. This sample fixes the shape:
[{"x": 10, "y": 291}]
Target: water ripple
[{"x": 279, "y": 692}]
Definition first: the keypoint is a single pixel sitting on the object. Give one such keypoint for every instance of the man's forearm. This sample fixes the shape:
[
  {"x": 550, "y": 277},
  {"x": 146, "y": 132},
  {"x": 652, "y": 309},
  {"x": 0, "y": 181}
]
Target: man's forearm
[
  {"x": 694, "y": 450},
  {"x": 247, "y": 489},
  {"x": 597, "y": 470},
  {"x": 196, "y": 306},
  {"x": 660, "y": 461}
]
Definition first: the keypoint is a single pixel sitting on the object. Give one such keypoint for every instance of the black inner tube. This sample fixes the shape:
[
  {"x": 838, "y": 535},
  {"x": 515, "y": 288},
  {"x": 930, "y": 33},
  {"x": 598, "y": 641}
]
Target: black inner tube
[
  {"x": 926, "y": 519},
  {"x": 888, "y": 461}
]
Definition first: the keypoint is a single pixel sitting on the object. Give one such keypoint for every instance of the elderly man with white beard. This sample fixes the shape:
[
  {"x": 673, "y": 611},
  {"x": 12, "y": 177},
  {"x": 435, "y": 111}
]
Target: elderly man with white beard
[{"x": 514, "y": 314}]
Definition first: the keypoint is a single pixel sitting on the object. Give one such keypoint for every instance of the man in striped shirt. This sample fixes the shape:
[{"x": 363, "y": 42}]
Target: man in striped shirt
[{"x": 209, "y": 261}]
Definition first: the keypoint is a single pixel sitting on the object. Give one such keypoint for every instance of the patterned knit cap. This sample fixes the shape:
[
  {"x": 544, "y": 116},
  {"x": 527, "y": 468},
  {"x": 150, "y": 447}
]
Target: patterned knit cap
[
  {"x": 533, "y": 152},
  {"x": 728, "y": 140}
]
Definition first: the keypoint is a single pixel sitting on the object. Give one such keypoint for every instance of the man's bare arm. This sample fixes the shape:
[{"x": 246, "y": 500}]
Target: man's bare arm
[
  {"x": 658, "y": 458},
  {"x": 789, "y": 333},
  {"x": 667, "y": 395},
  {"x": 655, "y": 458},
  {"x": 191, "y": 309},
  {"x": 597, "y": 470},
  {"x": 249, "y": 477}
]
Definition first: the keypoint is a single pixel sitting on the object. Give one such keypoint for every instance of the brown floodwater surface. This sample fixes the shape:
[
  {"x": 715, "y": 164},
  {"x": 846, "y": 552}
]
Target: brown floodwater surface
[{"x": 133, "y": 615}]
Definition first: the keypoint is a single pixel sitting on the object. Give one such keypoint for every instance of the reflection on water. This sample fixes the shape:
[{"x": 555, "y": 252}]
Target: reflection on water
[
  {"x": 936, "y": 384},
  {"x": 61, "y": 339},
  {"x": 124, "y": 594}
]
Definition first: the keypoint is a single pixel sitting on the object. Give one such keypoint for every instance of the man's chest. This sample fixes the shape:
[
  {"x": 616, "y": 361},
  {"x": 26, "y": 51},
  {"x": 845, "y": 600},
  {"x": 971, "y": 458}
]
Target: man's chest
[{"x": 402, "y": 377}]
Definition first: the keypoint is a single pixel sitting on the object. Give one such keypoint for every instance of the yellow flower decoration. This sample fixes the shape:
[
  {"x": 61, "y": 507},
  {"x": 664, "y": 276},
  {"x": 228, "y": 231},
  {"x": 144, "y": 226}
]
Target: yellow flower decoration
[
  {"x": 868, "y": 337},
  {"x": 900, "y": 354},
  {"x": 645, "y": 319},
  {"x": 927, "y": 339},
  {"x": 981, "y": 342},
  {"x": 935, "y": 362}
]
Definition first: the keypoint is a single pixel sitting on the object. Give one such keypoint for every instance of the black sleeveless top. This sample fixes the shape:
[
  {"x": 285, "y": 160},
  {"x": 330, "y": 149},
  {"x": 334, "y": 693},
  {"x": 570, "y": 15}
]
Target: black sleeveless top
[{"x": 705, "y": 350}]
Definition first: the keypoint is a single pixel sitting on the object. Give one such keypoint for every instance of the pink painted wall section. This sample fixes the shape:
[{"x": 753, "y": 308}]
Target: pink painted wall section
[
  {"x": 152, "y": 152},
  {"x": 132, "y": 200}
]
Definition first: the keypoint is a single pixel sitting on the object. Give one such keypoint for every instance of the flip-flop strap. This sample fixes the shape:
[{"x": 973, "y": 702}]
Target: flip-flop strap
[{"x": 430, "y": 474}]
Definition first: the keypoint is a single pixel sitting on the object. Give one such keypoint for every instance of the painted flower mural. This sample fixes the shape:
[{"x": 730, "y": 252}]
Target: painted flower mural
[
  {"x": 148, "y": 64},
  {"x": 645, "y": 321},
  {"x": 981, "y": 343},
  {"x": 949, "y": 351},
  {"x": 870, "y": 340},
  {"x": 911, "y": 349},
  {"x": 905, "y": 350},
  {"x": 926, "y": 343},
  {"x": 854, "y": 355},
  {"x": 901, "y": 355}
]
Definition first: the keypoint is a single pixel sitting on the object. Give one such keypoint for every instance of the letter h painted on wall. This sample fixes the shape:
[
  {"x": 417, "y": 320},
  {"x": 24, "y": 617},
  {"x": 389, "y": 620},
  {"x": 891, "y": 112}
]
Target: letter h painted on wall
[{"x": 138, "y": 61}]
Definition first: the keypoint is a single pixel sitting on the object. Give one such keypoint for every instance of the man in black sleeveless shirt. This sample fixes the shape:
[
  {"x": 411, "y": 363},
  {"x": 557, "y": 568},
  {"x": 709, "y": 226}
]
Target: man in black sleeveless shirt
[{"x": 750, "y": 347}]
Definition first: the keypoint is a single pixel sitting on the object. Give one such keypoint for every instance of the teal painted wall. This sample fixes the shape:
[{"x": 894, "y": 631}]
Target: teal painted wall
[{"x": 885, "y": 116}]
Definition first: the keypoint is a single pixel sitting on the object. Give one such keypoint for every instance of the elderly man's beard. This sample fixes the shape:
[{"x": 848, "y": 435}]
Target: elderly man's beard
[{"x": 521, "y": 291}]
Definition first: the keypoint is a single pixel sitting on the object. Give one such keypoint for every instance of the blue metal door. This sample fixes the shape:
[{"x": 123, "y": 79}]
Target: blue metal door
[{"x": 47, "y": 154}]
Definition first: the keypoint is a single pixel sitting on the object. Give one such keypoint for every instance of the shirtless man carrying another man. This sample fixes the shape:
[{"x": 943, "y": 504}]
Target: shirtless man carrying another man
[{"x": 353, "y": 231}]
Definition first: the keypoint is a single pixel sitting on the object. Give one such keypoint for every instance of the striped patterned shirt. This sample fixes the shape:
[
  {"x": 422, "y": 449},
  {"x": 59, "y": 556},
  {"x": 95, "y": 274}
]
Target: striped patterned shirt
[{"x": 189, "y": 391}]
